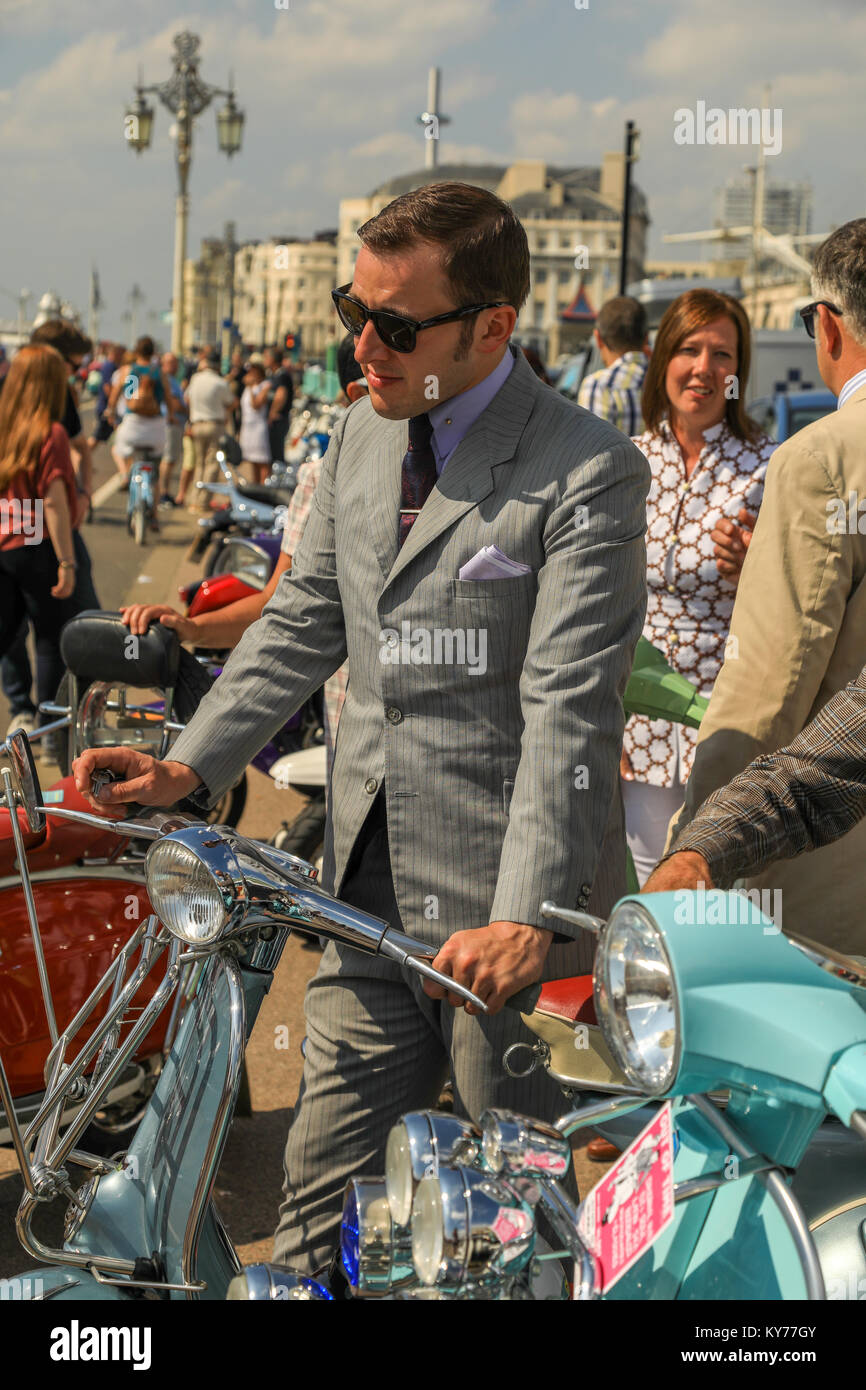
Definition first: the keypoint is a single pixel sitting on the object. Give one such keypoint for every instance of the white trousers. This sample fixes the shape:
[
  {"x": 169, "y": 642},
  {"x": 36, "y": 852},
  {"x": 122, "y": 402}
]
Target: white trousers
[{"x": 648, "y": 811}]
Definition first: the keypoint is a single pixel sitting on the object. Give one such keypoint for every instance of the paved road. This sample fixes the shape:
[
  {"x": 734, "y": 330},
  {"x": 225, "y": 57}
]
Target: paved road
[{"x": 249, "y": 1181}]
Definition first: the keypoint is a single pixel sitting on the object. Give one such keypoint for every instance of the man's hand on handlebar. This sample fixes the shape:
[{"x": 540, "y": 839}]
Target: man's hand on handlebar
[
  {"x": 139, "y": 616},
  {"x": 145, "y": 779},
  {"x": 494, "y": 962}
]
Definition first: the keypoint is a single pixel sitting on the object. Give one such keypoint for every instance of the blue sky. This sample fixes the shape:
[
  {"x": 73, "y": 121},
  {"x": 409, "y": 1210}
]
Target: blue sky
[{"x": 331, "y": 90}]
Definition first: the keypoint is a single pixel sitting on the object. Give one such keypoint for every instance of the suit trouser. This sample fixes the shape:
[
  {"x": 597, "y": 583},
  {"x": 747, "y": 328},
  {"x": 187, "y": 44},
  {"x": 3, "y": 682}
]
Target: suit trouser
[{"x": 376, "y": 1047}]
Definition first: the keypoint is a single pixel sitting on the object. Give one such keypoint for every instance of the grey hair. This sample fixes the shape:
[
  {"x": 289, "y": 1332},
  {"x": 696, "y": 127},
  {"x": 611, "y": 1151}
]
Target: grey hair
[{"x": 839, "y": 274}]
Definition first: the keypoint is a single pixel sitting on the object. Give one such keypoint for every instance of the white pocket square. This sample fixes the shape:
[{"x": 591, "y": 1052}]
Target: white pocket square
[{"x": 491, "y": 563}]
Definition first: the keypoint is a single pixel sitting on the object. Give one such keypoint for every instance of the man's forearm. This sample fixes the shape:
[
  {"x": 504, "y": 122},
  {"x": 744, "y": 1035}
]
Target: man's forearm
[{"x": 787, "y": 803}]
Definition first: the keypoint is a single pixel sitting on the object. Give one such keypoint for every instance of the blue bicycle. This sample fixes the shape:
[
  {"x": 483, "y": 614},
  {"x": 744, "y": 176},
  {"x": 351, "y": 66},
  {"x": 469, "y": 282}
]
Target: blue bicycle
[{"x": 141, "y": 508}]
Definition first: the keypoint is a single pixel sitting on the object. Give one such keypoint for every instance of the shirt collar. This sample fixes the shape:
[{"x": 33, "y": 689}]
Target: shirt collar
[
  {"x": 451, "y": 419},
  {"x": 852, "y": 385},
  {"x": 711, "y": 434}
]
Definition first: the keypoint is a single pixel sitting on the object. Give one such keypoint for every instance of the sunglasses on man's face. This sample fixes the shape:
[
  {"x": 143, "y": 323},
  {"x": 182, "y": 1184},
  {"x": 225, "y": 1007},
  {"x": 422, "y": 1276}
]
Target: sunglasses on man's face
[
  {"x": 395, "y": 330},
  {"x": 808, "y": 314}
]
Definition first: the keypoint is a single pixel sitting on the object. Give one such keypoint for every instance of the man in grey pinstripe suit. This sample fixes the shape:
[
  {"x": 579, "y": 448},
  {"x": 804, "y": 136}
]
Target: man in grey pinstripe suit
[{"x": 475, "y": 772}]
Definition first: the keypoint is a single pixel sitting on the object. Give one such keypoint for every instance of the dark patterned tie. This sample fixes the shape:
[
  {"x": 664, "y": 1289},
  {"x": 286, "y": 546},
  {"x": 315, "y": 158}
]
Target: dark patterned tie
[{"x": 419, "y": 473}]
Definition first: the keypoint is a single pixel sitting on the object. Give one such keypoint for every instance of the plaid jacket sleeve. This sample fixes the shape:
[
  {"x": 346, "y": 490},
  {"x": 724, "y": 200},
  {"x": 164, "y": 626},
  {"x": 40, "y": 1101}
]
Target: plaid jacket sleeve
[{"x": 806, "y": 795}]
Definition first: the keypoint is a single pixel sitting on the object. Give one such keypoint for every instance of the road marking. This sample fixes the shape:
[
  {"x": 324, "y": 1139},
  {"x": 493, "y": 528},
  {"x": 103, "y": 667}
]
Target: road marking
[{"x": 107, "y": 490}]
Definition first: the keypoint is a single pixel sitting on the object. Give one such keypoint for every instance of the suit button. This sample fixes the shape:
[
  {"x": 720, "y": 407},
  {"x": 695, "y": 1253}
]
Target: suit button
[
  {"x": 585, "y": 887},
  {"x": 395, "y": 715},
  {"x": 582, "y": 901},
  {"x": 371, "y": 785},
  {"x": 393, "y": 640}
]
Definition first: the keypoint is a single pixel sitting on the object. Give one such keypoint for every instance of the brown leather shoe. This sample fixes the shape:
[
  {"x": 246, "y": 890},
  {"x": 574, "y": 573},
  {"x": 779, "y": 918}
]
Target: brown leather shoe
[{"x": 602, "y": 1151}]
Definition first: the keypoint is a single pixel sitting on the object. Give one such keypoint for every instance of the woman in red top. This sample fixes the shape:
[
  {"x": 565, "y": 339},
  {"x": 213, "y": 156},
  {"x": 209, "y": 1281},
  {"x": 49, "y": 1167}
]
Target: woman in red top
[{"x": 37, "y": 505}]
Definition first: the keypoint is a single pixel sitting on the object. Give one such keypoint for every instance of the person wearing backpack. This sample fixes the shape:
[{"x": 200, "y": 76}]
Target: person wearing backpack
[{"x": 145, "y": 389}]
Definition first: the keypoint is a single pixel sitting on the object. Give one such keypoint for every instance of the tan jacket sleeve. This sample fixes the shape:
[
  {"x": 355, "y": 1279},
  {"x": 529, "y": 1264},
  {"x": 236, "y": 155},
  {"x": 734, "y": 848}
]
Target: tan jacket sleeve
[{"x": 789, "y": 608}]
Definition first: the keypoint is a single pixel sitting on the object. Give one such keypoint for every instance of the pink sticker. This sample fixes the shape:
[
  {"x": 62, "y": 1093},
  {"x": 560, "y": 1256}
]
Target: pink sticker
[{"x": 633, "y": 1203}]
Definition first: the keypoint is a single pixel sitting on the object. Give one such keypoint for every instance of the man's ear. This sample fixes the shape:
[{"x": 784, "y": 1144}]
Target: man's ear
[
  {"x": 832, "y": 331},
  {"x": 355, "y": 390}
]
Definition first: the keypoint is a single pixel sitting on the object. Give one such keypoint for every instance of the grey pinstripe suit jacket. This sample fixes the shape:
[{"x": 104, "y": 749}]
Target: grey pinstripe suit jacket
[{"x": 501, "y": 773}]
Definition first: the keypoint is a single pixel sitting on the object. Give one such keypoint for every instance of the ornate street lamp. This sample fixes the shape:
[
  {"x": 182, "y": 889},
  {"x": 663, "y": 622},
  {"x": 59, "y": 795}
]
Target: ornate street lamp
[{"x": 185, "y": 95}]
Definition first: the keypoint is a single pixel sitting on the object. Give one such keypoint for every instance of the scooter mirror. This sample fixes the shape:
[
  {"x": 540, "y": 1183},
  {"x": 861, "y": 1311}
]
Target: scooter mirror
[
  {"x": 230, "y": 447},
  {"x": 25, "y": 779}
]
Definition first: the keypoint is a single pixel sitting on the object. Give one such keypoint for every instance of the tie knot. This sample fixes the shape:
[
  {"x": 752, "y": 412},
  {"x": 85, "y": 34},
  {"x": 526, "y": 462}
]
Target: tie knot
[{"x": 420, "y": 432}]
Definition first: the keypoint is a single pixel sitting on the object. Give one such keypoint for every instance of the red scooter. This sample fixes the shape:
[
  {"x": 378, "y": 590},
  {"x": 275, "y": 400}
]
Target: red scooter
[{"x": 88, "y": 895}]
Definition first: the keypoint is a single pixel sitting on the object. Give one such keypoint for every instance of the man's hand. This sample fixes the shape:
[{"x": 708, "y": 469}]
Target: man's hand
[
  {"x": 731, "y": 543},
  {"x": 494, "y": 962},
  {"x": 139, "y": 616},
  {"x": 684, "y": 870},
  {"x": 146, "y": 780}
]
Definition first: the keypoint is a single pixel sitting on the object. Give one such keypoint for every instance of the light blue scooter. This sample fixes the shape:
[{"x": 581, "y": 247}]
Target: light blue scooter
[{"x": 757, "y": 1037}]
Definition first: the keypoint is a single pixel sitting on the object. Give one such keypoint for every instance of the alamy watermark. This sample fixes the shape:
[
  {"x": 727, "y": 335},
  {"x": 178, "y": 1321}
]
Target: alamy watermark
[
  {"x": 739, "y": 908},
  {"x": 737, "y": 126},
  {"x": 22, "y": 517},
  {"x": 846, "y": 519},
  {"x": 437, "y": 646}
]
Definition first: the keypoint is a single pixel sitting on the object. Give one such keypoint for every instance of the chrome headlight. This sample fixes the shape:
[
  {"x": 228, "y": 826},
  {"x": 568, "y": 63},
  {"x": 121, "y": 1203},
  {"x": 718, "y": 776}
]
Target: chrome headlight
[
  {"x": 194, "y": 883},
  {"x": 528, "y": 1148},
  {"x": 271, "y": 1283},
  {"x": 248, "y": 561},
  {"x": 376, "y": 1254},
  {"x": 469, "y": 1227},
  {"x": 636, "y": 999},
  {"x": 416, "y": 1146}
]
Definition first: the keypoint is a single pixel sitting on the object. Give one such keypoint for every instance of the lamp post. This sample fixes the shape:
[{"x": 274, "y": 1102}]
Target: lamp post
[
  {"x": 632, "y": 136},
  {"x": 185, "y": 95}
]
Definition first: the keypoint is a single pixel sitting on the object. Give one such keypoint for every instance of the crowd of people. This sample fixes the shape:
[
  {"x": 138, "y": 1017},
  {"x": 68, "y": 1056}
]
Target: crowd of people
[{"x": 179, "y": 410}]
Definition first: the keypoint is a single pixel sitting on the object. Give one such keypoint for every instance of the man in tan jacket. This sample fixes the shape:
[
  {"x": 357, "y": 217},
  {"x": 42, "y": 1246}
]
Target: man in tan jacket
[{"x": 798, "y": 630}]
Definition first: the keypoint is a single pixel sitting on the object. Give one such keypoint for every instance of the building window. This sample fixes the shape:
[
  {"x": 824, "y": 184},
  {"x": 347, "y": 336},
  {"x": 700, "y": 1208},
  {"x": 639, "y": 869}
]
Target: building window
[
  {"x": 541, "y": 241},
  {"x": 540, "y": 277},
  {"x": 565, "y": 277}
]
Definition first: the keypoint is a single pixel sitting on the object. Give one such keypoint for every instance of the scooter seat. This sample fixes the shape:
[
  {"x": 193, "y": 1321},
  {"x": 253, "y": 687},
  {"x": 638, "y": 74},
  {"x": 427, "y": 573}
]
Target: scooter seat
[
  {"x": 96, "y": 647},
  {"x": 270, "y": 496},
  {"x": 570, "y": 1000}
]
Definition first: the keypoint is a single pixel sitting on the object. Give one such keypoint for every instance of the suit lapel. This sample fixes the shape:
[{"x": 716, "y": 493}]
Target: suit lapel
[
  {"x": 383, "y": 492},
  {"x": 468, "y": 475}
]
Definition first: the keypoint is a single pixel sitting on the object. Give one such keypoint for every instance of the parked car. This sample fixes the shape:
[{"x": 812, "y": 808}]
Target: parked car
[{"x": 787, "y": 412}]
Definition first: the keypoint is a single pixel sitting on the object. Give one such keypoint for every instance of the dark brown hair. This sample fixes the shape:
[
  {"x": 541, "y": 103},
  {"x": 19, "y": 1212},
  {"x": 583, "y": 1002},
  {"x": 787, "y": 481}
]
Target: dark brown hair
[
  {"x": 144, "y": 347},
  {"x": 621, "y": 324},
  {"x": 484, "y": 251},
  {"x": 693, "y": 310},
  {"x": 63, "y": 336}
]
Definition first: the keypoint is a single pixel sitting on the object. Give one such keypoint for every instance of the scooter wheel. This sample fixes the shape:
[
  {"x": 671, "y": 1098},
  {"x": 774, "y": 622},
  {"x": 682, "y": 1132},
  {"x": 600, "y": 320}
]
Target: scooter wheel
[
  {"x": 230, "y": 807},
  {"x": 139, "y": 524},
  {"x": 305, "y": 836}
]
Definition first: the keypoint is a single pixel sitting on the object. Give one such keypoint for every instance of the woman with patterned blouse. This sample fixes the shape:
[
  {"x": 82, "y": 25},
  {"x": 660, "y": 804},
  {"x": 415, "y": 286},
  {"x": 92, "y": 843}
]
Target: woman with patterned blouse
[{"x": 708, "y": 462}]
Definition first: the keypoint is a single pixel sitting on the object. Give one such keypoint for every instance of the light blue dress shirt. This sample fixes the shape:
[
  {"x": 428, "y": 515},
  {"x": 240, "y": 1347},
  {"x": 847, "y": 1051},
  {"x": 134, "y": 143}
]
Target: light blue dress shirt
[{"x": 452, "y": 419}]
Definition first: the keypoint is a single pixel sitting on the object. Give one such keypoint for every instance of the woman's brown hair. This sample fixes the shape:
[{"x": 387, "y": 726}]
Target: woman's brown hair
[
  {"x": 32, "y": 400},
  {"x": 691, "y": 311}
]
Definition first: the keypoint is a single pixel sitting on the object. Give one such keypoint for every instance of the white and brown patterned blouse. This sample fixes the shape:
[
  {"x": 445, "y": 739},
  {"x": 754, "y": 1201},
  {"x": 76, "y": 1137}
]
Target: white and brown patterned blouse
[{"x": 689, "y": 603}]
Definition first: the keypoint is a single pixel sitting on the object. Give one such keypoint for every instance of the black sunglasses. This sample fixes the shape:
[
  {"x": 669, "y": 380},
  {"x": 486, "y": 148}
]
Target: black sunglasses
[
  {"x": 808, "y": 314},
  {"x": 395, "y": 330}
]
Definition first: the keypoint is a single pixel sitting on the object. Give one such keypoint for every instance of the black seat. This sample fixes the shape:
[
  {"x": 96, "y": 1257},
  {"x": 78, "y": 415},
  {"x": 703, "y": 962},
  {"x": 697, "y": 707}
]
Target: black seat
[
  {"x": 96, "y": 647},
  {"x": 271, "y": 496}
]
